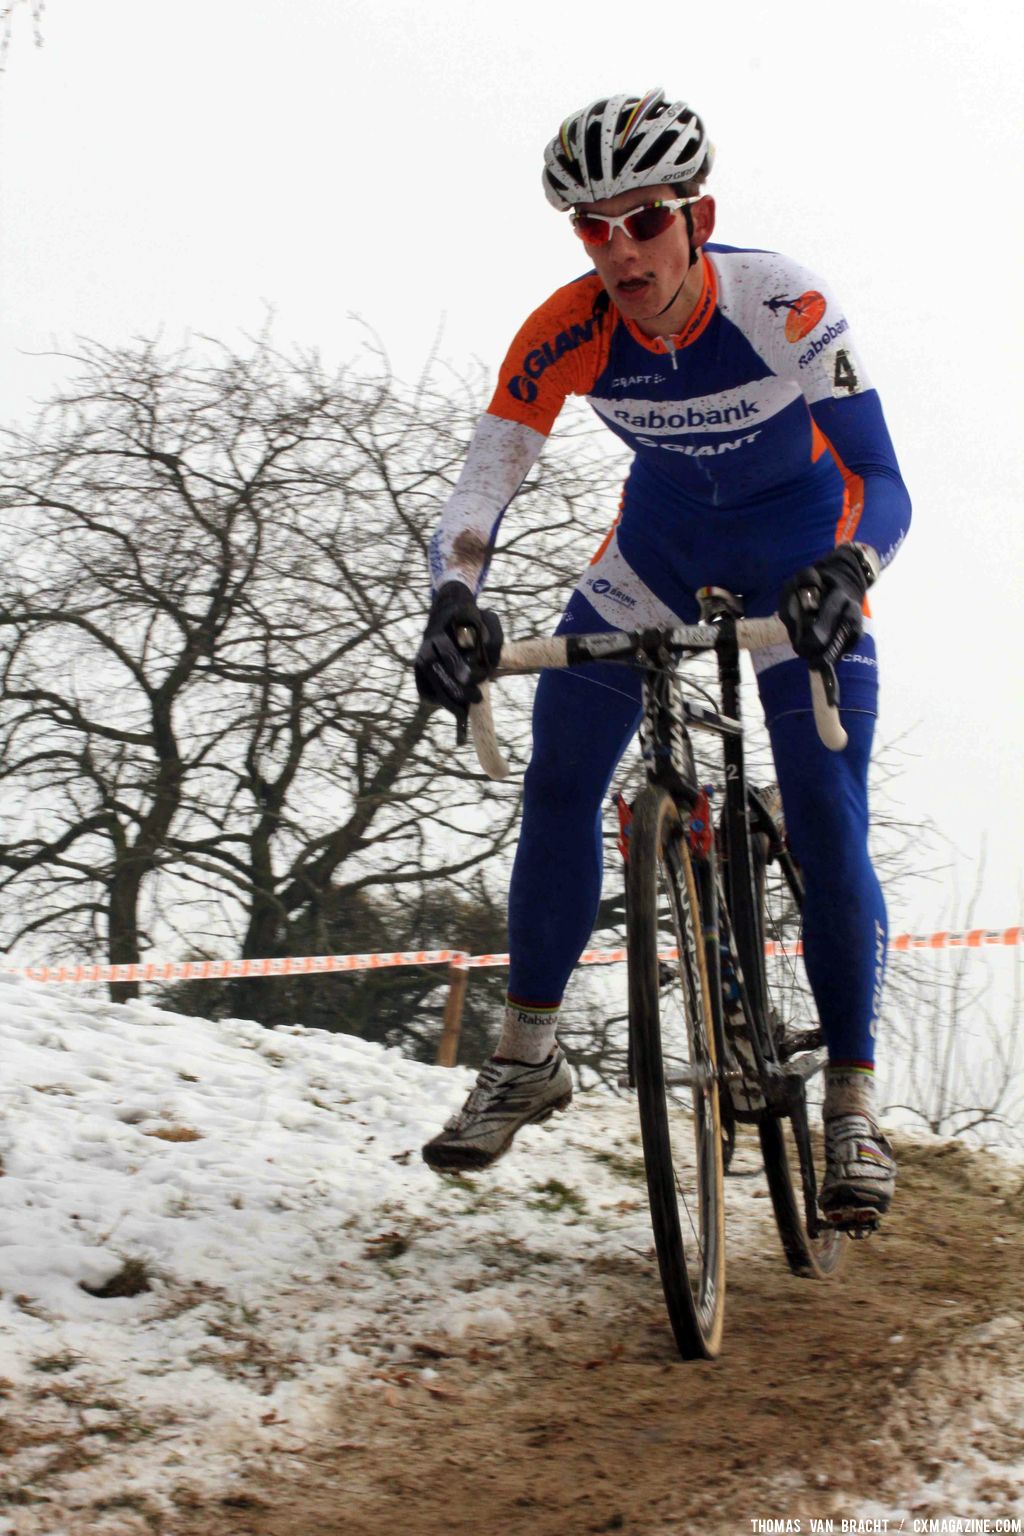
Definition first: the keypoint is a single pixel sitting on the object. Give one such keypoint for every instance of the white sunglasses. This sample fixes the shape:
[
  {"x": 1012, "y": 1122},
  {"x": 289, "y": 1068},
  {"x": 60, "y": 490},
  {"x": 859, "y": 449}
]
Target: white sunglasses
[{"x": 644, "y": 223}]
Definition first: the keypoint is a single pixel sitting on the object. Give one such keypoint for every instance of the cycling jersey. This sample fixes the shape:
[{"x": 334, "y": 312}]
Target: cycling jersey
[{"x": 758, "y": 410}]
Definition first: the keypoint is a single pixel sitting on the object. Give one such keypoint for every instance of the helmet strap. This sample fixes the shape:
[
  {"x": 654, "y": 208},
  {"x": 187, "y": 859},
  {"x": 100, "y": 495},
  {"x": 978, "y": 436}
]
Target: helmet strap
[
  {"x": 694, "y": 257},
  {"x": 694, "y": 249},
  {"x": 675, "y": 296}
]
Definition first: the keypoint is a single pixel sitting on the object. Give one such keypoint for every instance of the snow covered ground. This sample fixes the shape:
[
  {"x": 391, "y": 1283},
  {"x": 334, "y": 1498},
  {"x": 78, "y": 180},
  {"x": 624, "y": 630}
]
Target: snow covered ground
[
  {"x": 261, "y": 1186},
  {"x": 207, "y": 1228}
]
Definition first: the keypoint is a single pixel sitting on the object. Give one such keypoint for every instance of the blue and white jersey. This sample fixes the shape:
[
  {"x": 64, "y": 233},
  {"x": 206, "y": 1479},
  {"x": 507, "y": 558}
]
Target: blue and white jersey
[{"x": 756, "y": 428}]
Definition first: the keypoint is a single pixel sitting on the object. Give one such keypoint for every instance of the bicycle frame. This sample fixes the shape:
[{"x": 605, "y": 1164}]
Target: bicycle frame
[
  {"x": 759, "y": 1067},
  {"x": 732, "y": 926}
]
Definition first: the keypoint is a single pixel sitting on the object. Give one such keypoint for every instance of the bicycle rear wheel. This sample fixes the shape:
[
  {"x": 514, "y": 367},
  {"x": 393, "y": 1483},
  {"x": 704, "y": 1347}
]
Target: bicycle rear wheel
[
  {"x": 792, "y": 1145},
  {"x": 672, "y": 1038}
]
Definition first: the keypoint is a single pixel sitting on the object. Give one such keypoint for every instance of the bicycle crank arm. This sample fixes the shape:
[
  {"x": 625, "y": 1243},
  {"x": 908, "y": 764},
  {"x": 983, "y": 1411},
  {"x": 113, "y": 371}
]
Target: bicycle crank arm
[{"x": 807, "y": 1066}]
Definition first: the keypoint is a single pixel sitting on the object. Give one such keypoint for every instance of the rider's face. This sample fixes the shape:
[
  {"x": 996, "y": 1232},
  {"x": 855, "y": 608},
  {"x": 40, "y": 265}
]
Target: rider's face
[{"x": 644, "y": 277}]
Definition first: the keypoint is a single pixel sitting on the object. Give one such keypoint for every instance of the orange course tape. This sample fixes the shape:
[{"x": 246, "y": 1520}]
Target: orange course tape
[{"x": 316, "y": 965}]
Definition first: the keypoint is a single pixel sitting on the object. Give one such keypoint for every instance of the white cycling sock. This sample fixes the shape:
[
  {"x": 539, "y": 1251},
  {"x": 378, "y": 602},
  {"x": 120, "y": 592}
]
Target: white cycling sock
[
  {"x": 849, "y": 1091},
  {"x": 527, "y": 1034}
]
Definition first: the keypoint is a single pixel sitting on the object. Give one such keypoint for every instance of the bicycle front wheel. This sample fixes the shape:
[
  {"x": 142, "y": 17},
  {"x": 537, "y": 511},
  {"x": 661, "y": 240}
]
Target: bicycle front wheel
[{"x": 672, "y": 1035}]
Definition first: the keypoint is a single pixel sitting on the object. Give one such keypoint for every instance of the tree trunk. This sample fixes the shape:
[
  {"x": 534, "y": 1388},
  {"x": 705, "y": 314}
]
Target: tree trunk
[{"x": 123, "y": 928}]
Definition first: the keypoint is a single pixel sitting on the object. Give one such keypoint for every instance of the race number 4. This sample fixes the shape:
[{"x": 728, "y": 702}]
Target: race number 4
[{"x": 844, "y": 375}]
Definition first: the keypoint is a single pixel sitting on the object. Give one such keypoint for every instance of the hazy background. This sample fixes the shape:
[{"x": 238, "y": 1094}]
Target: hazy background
[{"x": 188, "y": 168}]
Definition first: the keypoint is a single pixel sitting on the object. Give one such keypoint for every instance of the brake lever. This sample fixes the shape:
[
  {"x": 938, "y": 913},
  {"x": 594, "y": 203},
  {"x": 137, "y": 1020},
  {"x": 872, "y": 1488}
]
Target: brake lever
[
  {"x": 466, "y": 640},
  {"x": 830, "y": 682},
  {"x": 810, "y": 601}
]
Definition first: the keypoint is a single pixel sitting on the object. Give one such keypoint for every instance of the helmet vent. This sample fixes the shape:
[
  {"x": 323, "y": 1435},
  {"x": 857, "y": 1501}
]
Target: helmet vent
[
  {"x": 592, "y": 149},
  {"x": 624, "y": 144}
]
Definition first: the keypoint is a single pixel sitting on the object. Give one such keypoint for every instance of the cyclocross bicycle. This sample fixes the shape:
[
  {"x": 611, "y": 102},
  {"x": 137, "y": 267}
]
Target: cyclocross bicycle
[{"x": 720, "y": 1030}]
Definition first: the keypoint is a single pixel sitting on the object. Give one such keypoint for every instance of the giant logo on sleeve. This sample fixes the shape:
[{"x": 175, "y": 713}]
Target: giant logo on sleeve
[{"x": 523, "y": 386}]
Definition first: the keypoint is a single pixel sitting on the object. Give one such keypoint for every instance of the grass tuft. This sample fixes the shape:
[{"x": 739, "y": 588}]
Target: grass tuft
[
  {"x": 556, "y": 1196},
  {"x": 54, "y": 1365},
  {"x": 132, "y": 1279},
  {"x": 390, "y": 1245}
]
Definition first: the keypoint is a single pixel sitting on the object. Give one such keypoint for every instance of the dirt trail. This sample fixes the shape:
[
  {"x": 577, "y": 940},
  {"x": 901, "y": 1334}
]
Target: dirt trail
[{"x": 829, "y": 1397}]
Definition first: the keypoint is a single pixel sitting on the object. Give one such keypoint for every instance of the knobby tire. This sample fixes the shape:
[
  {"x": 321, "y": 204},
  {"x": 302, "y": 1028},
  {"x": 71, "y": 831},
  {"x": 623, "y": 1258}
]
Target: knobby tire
[{"x": 672, "y": 1039}]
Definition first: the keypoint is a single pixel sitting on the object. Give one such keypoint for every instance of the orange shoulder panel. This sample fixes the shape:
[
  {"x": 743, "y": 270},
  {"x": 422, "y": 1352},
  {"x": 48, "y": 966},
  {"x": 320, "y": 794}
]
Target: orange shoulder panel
[{"x": 560, "y": 351}]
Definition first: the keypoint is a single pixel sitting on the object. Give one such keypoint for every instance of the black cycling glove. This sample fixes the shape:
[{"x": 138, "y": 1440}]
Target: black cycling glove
[
  {"x": 822, "y": 606},
  {"x": 450, "y": 664}
]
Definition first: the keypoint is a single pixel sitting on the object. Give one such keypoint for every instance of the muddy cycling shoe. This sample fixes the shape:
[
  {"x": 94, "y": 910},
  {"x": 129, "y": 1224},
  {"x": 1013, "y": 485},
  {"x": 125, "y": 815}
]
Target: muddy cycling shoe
[
  {"x": 507, "y": 1096},
  {"x": 860, "y": 1173}
]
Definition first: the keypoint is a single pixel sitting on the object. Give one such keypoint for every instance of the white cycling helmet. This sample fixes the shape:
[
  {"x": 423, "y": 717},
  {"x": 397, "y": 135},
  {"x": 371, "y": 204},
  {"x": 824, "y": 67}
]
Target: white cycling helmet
[{"x": 623, "y": 142}]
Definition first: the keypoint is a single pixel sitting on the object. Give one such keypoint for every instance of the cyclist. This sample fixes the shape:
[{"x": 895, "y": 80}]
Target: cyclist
[{"x": 763, "y": 465}]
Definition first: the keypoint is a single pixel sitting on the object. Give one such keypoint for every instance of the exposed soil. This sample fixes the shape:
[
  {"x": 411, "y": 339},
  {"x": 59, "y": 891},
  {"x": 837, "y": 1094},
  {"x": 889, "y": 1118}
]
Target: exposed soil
[{"x": 830, "y": 1398}]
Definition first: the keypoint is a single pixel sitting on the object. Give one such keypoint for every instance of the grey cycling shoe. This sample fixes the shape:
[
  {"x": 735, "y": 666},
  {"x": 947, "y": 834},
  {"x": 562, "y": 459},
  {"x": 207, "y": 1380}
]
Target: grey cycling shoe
[
  {"x": 507, "y": 1096},
  {"x": 860, "y": 1172}
]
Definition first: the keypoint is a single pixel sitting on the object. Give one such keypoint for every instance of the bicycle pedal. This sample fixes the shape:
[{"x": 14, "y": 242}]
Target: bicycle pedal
[{"x": 855, "y": 1222}]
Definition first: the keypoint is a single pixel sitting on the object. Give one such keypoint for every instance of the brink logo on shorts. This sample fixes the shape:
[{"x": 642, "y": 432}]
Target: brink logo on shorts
[
  {"x": 522, "y": 386},
  {"x": 603, "y": 588}
]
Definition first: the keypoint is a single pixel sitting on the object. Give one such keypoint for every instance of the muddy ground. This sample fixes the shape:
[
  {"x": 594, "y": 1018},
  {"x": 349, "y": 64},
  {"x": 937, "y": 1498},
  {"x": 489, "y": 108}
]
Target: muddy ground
[{"x": 831, "y": 1399}]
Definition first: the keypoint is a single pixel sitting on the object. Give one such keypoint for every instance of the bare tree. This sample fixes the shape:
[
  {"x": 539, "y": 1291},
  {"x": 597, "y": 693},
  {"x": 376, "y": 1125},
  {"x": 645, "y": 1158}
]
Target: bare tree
[
  {"x": 214, "y": 584},
  {"x": 36, "y": 7},
  {"x": 958, "y": 1036}
]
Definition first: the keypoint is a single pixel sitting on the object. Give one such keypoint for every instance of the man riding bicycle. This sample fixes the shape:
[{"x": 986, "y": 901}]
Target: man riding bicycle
[{"x": 762, "y": 465}]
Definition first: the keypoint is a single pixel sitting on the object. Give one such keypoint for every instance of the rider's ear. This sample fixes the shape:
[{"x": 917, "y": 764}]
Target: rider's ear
[{"x": 703, "y": 220}]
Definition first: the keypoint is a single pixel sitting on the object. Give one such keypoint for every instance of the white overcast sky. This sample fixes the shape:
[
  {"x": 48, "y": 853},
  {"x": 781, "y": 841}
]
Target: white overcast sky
[{"x": 183, "y": 166}]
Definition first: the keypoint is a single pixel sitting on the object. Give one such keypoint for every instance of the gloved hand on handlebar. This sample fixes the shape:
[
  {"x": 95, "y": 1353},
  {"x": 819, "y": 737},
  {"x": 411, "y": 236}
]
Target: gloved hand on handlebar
[
  {"x": 448, "y": 669},
  {"x": 822, "y": 606}
]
